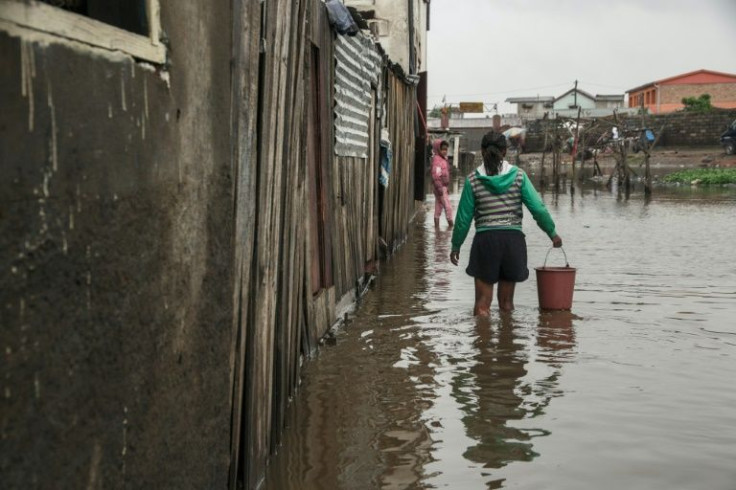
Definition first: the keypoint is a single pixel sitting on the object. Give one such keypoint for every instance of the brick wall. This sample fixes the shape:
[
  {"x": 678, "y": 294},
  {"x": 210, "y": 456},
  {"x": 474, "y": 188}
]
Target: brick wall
[
  {"x": 719, "y": 92},
  {"x": 682, "y": 129}
]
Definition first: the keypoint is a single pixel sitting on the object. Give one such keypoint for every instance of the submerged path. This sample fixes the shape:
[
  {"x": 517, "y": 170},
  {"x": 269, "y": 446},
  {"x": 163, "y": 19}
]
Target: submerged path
[{"x": 632, "y": 389}]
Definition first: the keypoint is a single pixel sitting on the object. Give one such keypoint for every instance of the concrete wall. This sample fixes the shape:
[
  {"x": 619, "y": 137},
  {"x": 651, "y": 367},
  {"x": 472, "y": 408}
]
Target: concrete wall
[
  {"x": 608, "y": 104},
  {"x": 471, "y": 138},
  {"x": 115, "y": 249},
  {"x": 394, "y": 15},
  {"x": 537, "y": 110}
]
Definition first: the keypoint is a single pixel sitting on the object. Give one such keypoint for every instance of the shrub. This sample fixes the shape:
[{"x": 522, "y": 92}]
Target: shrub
[
  {"x": 698, "y": 104},
  {"x": 705, "y": 176}
]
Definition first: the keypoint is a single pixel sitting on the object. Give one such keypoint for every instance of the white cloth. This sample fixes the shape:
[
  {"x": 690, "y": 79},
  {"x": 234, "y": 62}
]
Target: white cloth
[{"x": 505, "y": 168}]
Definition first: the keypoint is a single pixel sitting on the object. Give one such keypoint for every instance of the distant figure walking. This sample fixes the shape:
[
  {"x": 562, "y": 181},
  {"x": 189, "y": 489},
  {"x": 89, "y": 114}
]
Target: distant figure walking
[
  {"x": 492, "y": 196},
  {"x": 440, "y": 170}
]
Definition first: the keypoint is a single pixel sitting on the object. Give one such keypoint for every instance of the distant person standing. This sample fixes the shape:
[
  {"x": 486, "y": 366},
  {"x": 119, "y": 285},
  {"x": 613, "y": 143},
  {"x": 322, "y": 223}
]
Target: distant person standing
[
  {"x": 492, "y": 196},
  {"x": 440, "y": 170}
]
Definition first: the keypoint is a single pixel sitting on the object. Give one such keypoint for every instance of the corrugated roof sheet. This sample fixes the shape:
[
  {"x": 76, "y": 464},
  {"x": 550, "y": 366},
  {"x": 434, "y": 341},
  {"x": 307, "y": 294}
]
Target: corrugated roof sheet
[
  {"x": 521, "y": 100},
  {"x": 357, "y": 66}
]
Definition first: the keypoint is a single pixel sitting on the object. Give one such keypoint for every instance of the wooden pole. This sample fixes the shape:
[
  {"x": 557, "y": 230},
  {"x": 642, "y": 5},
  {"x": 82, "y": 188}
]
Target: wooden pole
[
  {"x": 575, "y": 144},
  {"x": 627, "y": 174},
  {"x": 575, "y": 150},
  {"x": 556, "y": 162},
  {"x": 647, "y": 169},
  {"x": 642, "y": 137},
  {"x": 582, "y": 159},
  {"x": 542, "y": 182}
]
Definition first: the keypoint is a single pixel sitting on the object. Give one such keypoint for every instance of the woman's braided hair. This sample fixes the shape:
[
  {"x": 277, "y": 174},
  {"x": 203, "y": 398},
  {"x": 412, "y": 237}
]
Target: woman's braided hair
[{"x": 493, "y": 147}]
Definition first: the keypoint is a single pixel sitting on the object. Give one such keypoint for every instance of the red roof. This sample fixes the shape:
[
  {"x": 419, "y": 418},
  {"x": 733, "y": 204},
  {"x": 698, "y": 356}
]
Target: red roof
[{"x": 693, "y": 77}]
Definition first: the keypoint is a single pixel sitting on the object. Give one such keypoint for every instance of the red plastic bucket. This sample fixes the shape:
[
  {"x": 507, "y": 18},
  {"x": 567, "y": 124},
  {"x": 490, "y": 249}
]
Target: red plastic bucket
[{"x": 555, "y": 285}]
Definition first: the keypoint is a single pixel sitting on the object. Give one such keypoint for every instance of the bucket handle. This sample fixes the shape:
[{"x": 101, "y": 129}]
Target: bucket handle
[{"x": 567, "y": 264}]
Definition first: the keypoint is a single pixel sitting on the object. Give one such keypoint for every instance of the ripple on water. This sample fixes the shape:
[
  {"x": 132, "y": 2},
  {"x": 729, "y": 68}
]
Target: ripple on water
[{"x": 632, "y": 389}]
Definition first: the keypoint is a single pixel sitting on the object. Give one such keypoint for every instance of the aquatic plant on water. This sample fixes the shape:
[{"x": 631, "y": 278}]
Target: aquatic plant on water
[{"x": 703, "y": 176}]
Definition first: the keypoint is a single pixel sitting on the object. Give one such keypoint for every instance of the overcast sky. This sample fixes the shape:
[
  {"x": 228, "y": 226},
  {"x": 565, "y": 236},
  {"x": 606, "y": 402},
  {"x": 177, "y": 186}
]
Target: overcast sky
[{"x": 489, "y": 50}]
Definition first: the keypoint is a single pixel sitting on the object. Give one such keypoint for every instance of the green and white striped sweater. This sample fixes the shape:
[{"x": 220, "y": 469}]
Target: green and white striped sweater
[{"x": 494, "y": 202}]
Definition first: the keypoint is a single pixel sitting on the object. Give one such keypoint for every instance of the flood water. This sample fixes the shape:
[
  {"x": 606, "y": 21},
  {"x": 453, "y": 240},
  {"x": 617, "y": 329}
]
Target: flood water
[{"x": 635, "y": 388}]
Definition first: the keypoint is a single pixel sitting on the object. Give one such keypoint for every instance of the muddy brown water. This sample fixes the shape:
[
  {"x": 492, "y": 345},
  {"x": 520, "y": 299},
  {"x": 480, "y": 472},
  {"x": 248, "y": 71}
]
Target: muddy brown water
[{"x": 634, "y": 388}]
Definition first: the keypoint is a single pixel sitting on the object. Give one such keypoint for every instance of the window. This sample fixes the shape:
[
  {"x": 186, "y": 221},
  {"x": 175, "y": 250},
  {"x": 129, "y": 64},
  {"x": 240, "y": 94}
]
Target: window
[{"x": 129, "y": 26}]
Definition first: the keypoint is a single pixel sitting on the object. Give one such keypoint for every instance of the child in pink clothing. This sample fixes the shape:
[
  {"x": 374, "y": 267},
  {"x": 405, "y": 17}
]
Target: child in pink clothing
[{"x": 440, "y": 171}]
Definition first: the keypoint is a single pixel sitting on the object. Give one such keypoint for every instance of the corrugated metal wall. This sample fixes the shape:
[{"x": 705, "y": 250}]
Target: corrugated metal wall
[{"x": 357, "y": 68}]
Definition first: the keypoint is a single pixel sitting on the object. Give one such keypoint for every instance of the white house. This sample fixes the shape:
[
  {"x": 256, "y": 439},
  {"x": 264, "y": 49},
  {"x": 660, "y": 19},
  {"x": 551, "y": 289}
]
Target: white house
[
  {"x": 567, "y": 104},
  {"x": 532, "y": 107},
  {"x": 572, "y": 99}
]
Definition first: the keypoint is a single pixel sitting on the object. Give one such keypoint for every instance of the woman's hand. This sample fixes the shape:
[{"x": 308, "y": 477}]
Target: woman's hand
[
  {"x": 556, "y": 241},
  {"x": 455, "y": 257}
]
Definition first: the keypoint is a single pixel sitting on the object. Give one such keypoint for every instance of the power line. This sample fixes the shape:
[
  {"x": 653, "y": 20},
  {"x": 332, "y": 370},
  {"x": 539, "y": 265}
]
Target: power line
[
  {"x": 501, "y": 93},
  {"x": 601, "y": 85}
]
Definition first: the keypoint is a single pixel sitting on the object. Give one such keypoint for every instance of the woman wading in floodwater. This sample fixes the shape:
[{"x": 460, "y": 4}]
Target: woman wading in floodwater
[{"x": 492, "y": 196}]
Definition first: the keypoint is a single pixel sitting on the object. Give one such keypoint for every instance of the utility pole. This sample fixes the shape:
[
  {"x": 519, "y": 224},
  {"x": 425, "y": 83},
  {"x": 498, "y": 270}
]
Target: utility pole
[
  {"x": 576, "y": 93},
  {"x": 575, "y": 151}
]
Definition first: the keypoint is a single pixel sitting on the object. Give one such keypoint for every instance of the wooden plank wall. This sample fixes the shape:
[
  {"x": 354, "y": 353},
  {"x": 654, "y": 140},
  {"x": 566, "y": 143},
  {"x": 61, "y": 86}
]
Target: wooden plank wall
[
  {"x": 353, "y": 180},
  {"x": 278, "y": 317},
  {"x": 244, "y": 103},
  {"x": 292, "y": 250},
  {"x": 354, "y": 185},
  {"x": 357, "y": 213},
  {"x": 320, "y": 308},
  {"x": 398, "y": 206},
  {"x": 274, "y": 317}
]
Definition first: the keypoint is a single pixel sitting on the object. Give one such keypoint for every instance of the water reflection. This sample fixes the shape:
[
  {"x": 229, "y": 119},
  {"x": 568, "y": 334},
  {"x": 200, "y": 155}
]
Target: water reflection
[
  {"x": 357, "y": 422},
  {"x": 556, "y": 336},
  {"x": 498, "y": 391},
  {"x": 496, "y": 383},
  {"x": 418, "y": 394}
]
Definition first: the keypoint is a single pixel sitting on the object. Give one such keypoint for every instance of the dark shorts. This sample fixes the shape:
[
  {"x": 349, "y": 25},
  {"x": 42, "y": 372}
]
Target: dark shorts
[{"x": 498, "y": 255}]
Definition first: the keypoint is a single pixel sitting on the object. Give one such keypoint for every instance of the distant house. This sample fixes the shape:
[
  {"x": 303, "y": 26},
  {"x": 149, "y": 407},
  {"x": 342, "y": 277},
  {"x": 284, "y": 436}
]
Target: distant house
[
  {"x": 666, "y": 95},
  {"x": 572, "y": 99},
  {"x": 566, "y": 105},
  {"x": 472, "y": 130},
  {"x": 532, "y": 107},
  {"x": 610, "y": 101}
]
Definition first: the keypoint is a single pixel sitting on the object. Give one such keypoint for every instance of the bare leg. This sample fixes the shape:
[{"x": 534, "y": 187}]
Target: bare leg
[
  {"x": 448, "y": 206},
  {"x": 483, "y": 298},
  {"x": 506, "y": 295},
  {"x": 438, "y": 204}
]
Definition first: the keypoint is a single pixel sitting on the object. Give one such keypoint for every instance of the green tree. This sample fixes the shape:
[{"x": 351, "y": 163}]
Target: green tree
[
  {"x": 697, "y": 104},
  {"x": 436, "y": 111}
]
